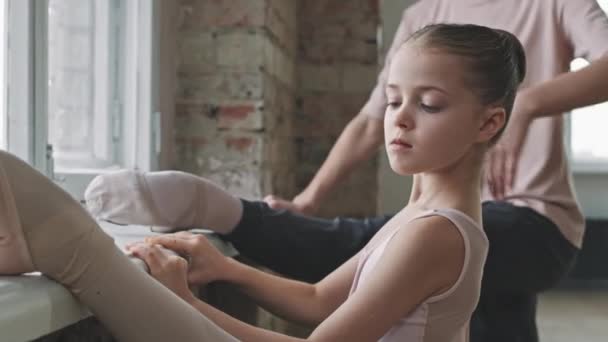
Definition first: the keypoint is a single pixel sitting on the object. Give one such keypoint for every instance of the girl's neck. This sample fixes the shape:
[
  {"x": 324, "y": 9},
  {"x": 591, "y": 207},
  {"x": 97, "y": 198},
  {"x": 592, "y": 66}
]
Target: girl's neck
[{"x": 457, "y": 186}]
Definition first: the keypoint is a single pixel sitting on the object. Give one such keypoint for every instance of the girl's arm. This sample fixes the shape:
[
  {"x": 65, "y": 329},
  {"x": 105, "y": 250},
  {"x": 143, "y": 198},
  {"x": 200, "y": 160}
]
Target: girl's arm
[
  {"x": 421, "y": 261},
  {"x": 293, "y": 300}
]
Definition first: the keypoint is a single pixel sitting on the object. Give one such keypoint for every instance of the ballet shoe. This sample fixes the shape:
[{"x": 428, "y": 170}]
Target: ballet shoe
[{"x": 166, "y": 201}]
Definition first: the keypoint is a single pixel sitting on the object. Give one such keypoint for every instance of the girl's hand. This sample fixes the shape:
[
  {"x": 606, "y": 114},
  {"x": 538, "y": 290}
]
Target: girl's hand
[
  {"x": 169, "y": 269},
  {"x": 207, "y": 264}
]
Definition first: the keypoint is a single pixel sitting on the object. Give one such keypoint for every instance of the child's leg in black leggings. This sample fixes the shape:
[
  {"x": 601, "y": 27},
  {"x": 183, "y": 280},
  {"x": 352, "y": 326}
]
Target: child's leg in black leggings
[
  {"x": 298, "y": 246},
  {"x": 301, "y": 247}
]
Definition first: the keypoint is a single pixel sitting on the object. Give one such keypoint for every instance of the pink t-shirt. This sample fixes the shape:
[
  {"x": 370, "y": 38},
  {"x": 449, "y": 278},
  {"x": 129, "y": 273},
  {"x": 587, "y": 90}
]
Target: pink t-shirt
[{"x": 553, "y": 33}]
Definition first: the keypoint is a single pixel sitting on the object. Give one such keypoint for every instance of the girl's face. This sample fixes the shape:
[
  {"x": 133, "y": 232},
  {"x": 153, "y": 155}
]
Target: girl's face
[{"x": 432, "y": 118}]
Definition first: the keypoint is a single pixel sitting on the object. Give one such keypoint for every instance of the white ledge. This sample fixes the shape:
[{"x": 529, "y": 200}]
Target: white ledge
[{"x": 32, "y": 305}]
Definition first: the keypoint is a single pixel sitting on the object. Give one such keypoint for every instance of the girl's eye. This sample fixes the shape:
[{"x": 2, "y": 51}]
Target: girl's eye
[
  {"x": 394, "y": 104},
  {"x": 429, "y": 109}
]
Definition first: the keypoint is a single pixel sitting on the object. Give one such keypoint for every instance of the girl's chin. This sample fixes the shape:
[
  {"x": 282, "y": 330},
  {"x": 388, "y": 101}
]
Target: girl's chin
[{"x": 405, "y": 170}]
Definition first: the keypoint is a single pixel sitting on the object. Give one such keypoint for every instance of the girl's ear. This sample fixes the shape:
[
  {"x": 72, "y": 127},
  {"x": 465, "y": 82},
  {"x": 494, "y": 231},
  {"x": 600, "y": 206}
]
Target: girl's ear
[{"x": 492, "y": 121}]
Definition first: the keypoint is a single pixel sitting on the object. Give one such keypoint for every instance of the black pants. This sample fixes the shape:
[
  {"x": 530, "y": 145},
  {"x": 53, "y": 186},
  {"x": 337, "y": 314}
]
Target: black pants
[{"x": 527, "y": 255}]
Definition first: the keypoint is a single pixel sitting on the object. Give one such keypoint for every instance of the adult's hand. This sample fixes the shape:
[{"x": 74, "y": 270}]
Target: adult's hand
[
  {"x": 502, "y": 159},
  {"x": 300, "y": 204}
]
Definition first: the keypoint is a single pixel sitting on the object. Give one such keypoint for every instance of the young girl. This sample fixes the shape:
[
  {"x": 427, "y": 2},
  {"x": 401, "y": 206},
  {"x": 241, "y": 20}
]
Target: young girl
[{"x": 450, "y": 91}]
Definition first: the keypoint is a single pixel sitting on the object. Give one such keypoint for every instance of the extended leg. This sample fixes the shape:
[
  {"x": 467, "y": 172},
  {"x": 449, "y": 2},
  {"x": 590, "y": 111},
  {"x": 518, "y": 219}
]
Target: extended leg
[{"x": 66, "y": 244}]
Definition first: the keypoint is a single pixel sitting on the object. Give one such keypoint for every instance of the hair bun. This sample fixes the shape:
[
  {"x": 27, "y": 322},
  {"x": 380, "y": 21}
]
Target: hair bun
[{"x": 516, "y": 53}]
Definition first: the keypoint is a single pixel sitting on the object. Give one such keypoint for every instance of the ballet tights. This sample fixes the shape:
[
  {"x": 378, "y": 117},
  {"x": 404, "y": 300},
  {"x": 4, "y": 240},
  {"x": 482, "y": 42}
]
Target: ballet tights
[{"x": 67, "y": 245}]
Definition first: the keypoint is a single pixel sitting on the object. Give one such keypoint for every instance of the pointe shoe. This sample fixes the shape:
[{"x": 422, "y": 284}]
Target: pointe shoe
[
  {"x": 14, "y": 256},
  {"x": 119, "y": 197},
  {"x": 167, "y": 201}
]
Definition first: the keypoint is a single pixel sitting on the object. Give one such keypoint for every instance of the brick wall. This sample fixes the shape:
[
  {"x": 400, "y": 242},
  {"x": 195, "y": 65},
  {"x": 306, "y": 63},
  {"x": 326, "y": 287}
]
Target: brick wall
[
  {"x": 236, "y": 93},
  {"x": 337, "y": 67},
  {"x": 265, "y": 87}
]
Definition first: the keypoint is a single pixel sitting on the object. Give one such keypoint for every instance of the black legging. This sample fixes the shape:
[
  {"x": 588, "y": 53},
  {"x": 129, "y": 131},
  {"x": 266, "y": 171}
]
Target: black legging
[{"x": 527, "y": 254}]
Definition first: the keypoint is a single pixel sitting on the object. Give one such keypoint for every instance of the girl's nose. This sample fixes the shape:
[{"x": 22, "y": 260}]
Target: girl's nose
[{"x": 404, "y": 118}]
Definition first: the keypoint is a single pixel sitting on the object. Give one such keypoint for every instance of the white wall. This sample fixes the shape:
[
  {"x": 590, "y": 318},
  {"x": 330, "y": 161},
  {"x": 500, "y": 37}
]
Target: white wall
[{"x": 592, "y": 190}]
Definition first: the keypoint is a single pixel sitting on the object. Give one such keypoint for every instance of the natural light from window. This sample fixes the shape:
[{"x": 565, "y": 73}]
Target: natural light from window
[
  {"x": 588, "y": 137},
  {"x": 82, "y": 67},
  {"x": 3, "y": 48}
]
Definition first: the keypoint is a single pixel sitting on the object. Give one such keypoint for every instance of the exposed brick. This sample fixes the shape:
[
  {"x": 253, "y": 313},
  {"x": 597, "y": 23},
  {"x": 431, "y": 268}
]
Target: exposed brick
[
  {"x": 236, "y": 112},
  {"x": 193, "y": 141},
  {"x": 326, "y": 114},
  {"x": 278, "y": 63},
  {"x": 241, "y": 116},
  {"x": 361, "y": 51},
  {"x": 241, "y": 144},
  {"x": 239, "y": 75},
  {"x": 219, "y": 86},
  {"x": 319, "y": 77},
  {"x": 286, "y": 12},
  {"x": 195, "y": 121},
  {"x": 337, "y": 67},
  {"x": 280, "y": 22},
  {"x": 197, "y": 53},
  {"x": 359, "y": 77},
  {"x": 241, "y": 50},
  {"x": 200, "y": 14}
]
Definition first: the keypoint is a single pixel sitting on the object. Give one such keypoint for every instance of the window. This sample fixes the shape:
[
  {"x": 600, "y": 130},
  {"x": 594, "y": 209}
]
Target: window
[
  {"x": 84, "y": 70},
  {"x": 84, "y": 98},
  {"x": 588, "y": 145},
  {"x": 3, "y": 50}
]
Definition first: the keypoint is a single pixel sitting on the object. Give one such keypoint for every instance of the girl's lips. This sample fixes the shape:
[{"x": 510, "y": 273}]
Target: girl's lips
[{"x": 400, "y": 143}]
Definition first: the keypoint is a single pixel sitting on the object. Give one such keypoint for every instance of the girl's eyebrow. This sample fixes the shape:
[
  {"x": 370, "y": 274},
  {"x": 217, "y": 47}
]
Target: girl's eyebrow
[{"x": 422, "y": 88}]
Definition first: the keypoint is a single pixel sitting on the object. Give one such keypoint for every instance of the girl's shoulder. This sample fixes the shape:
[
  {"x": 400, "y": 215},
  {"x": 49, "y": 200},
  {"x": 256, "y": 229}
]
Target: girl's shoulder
[{"x": 427, "y": 242}]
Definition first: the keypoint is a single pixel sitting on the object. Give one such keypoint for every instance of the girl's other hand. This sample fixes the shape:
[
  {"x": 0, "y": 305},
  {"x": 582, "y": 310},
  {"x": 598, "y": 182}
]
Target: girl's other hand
[
  {"x": 169, "y": 269},
  {"x": 206, "y": 263}
]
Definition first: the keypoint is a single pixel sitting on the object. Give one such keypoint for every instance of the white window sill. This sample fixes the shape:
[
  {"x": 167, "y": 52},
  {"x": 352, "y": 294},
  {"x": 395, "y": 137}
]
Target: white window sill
[
  {"x": 589, "y": 169},
  {"x": 32, "y": 306}
]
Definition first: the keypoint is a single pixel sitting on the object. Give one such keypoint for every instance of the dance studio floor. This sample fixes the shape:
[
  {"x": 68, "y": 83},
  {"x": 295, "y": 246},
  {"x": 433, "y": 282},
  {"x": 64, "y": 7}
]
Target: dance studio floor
[{"x": 573, "y": 316}]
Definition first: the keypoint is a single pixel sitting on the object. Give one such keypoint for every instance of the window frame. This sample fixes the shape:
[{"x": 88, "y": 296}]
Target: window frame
[
  {"x": 20, "y": 109},
  {"x": 27, "y": 114},
  {"x": 3, "y": 76},
  {"x": 106, "y": 142}
]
